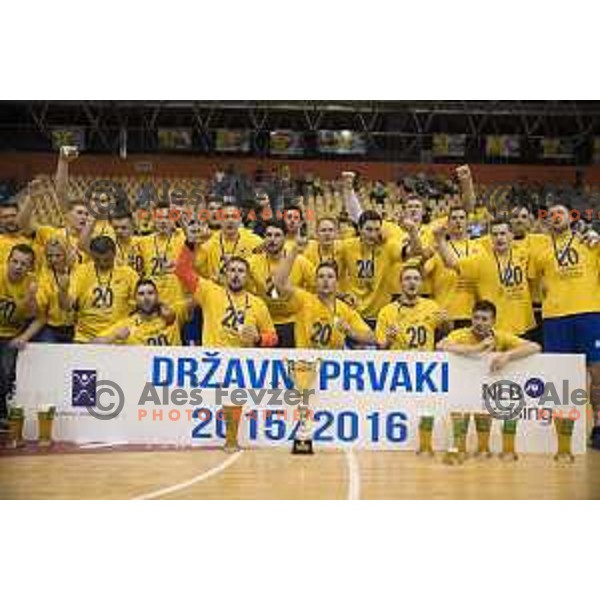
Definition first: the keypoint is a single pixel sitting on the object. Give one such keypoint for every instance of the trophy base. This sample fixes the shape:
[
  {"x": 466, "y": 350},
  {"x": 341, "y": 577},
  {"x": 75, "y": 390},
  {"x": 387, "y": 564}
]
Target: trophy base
[
  {"x": 425, "y": 453},
  {"x": 483, "y": 454},
  {"x": 302, "y": 447},
  {"x": 509, "y": 456},
  {"x": 564, "y": 457},
  {"x": 44, "y": 443},
  {"x": 231, "y": 448},
  {"x": 454, "y": 457}
]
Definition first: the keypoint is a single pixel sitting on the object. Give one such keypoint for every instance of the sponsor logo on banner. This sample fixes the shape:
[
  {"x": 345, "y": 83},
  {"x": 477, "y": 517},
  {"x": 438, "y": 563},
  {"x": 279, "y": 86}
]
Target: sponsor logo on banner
[{"x": 83, "y": 387}]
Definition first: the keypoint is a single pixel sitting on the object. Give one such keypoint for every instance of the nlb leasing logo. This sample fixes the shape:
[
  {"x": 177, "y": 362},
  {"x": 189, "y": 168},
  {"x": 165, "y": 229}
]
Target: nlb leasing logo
[
  {"x": 503, "y": 399},
  {"x": 506, "y": 400}
]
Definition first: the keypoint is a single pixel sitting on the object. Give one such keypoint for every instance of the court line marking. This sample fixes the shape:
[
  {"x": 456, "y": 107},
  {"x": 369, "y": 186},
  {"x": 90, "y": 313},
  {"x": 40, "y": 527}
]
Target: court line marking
[
  {"x": 353, "y": 476},
  {"x": 189, "y": 482},
  {"x": 94, "y": 445}
]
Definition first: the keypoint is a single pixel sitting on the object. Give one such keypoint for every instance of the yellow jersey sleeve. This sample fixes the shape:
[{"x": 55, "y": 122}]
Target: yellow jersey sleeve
[
  {"x": 264, "y": 323},
  {"x": 384, "y": 320},
  {"x": 145, "y": 332},
  {"x": 304, "y": 275},
  {"x": 14, "y": 307},
  {"x": 201, "y": 261},
  {"x": 462, "y": 336},
  {"x": 507, "y": 341},
  {"x": 470, "y": 267},
  {"x": 391, "y": 230},
  {"x": 298, "y": 300},
  {"x": 113, "y": 328},
  {"x": 182, "y": 312},
  {"x": 206, "y": 292}
]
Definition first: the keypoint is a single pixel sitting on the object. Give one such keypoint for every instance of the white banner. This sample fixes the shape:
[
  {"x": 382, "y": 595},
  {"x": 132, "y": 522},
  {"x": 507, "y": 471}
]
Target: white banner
[{"x": 365, "y": 399}]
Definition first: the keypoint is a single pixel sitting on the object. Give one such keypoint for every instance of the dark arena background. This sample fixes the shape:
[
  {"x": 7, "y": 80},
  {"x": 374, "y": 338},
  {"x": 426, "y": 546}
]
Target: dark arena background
[{"x": 347, "y": 248}]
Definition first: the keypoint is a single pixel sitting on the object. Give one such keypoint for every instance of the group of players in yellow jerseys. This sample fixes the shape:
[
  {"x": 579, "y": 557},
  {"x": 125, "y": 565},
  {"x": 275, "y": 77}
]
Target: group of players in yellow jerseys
[{"x": 394, "y": 285}]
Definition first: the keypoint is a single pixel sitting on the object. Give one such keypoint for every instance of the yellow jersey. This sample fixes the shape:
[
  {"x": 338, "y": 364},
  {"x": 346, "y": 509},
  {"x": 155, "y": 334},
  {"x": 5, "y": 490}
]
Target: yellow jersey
[
  {"x": 503, "y": 339},
  {"x": 417, "y": 324},
  {"x": 15, "y": 310},
  {"x": 393, "y": 231},
  {"x": 569, "y": 271},
  {"x": 47, "y": 300},
  {"x": 262, "y": 269},
  {"x": 212, "y": 256},
  {"x": 390, "y": 230},
  {"x": 151, "y": 330},
  {"x": 101, "y": 300},
  {"x": 503, "y": 280},
  {"x": 453, "y": 292},
  {"x": 316, "y": 324},
  {"x": 290, "y": 242},
  {"x": 129, "y": 254},
  {"x": 366, "y": 273},
  {"x": 158, "y": 251},
  {"x": 224, "y": 312},
  {"x": 316, "y": 254},
  {"x": 533, "y": 243}
]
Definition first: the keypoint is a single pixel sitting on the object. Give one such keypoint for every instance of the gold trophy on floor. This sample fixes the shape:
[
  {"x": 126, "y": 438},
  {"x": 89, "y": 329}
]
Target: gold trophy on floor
[
  {"x": 457, "y": 448},
  {"x": 16, "y": 420},
  {"x": 425, "y": 435},
  {"x": 45, "y": 421},
  {"x": 564, "y": 432},
  {"x": 303, "y": 373},
  {"x": 232, "y": 415},
  {"x": 483, "y": 427},
  {"x": 509, "y": 433}
]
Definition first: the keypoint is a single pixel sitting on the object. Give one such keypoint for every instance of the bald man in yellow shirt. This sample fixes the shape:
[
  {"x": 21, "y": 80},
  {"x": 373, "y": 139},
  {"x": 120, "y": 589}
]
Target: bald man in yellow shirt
[{"x": 568, "y": 268}]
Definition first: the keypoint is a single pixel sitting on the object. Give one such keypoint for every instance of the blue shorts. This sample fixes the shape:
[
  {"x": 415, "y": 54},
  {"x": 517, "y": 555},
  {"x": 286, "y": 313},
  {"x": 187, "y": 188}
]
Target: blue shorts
[
  {"x": 574, "y": 334},
  {"x": 191, "y": 332}
]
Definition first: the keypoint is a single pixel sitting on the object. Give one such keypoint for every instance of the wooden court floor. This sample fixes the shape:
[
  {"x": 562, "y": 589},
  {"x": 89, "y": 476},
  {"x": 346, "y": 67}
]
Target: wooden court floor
[{"x": 276, "y": 474}]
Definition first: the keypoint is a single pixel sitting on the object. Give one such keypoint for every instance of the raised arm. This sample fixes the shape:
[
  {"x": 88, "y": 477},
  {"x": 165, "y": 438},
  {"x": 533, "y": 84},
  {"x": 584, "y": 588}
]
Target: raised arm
[
  {"x": 65, "y": 301},
  {"x": 414, "y": 247},
  {"x": 86, "y": 235},
  {"x": 448, "y": 257},
  {"x": 351, "y": 201},
  {"x": 467, "y": 189},
  {"x": 281, "y": 277},
  {"x": 28, "y": 206},
  {"x": 66, "y": 155},
  {"x": 32, "y": 330}
]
